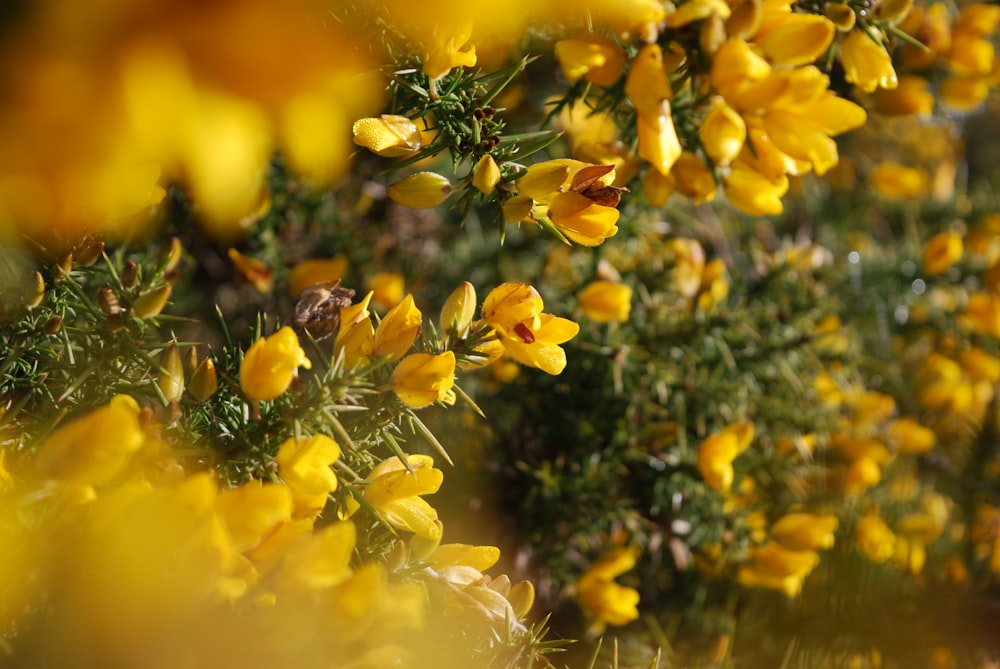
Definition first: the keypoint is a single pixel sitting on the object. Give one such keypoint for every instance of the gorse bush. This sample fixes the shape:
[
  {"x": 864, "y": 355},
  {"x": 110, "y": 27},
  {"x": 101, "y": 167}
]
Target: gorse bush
[{"x": 372, "y": 334}]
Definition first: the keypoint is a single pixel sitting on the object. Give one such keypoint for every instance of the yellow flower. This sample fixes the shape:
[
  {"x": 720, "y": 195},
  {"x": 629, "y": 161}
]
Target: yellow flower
[
  {"x": 778, "y": 568},
  {"x": 657, "y": 187},
  {"x": 941, "y": 252},
  {"x": 866, "y": 62},
  {"x": 459, "y": 310},
  {"x": 692, "y": 178},
  {"x": 514, "y": 311},
  {"x": 595, "y": 58},
  {"x": 422, "y": 190},
  {"x": 605, "y": 301},
  {"x": 804, "y": 531},
  {"x": 582, "y": 220},
  {"x": 317, "y": 270},
  {"x": 304, "y": 464},
  {"x": 270, "y": 365},
  {"x": 874, "y": 538},
  {"x": 862, "y": 474},
  {"x": 92, "y": 450},
  {"x": 204, "y": 381},
  {"x": 753, "y": 193},
  {"x": 486, "y": 175},
  {"x": 388, "y": 135},
  {"x": 897, "y": 182},
  {"x": 356, "y": 337},
  {"x": 421, "y": 379},
  {"x": 689, "y": 265},
  {"x": 658, "y": 141},
  {"x": 718, "y": 451},
  {"x": 722, "y": 132},
  {"x": 647, "y": 85},
  {"x": 964, "y": 94},
  {"x": 395, "y": 492},
  {"x": 255, "y": 272},
  {"x": 387, "y": 288},
  {"x": 398, "y": 330},
  {"x": 449, "y": 48},
  {"x": 797, "y": 39},
  {"x": 607, "y": 601},
  {"x": 253, "y": 511}
]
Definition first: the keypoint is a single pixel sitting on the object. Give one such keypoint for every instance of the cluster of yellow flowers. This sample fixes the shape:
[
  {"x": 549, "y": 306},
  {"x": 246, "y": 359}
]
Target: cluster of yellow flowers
[{"x": 130, "y": 551}]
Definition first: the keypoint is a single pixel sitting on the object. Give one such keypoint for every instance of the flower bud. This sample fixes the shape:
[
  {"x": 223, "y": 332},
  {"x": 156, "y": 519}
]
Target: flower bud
[
  {"x": 53, "y": 325},
  {"x": 422, "y": 190},
  {"x": 107, "y": 300},
  {"x": 171, "y": 376},
  {"x": 459, "y": 310},
  {"x": 130, "y": 275},
  {"x": 173, "y": 255},
  {"x": 63, "y": 267},
  {"x": 486, "y": 176},
  {"x": 88, "y": 252},
  {"x": 203, "y": 381},
  {"x": 35, "y": 292},
  {"x": 389, "y": 135},
  {"x": 150, "y": 304}
]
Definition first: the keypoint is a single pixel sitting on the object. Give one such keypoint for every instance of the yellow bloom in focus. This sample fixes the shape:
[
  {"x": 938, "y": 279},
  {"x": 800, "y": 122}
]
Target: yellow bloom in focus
[
  {"x": 449, "y": 48},
  {"x": 647, "y": 85},
  {"x": 582, "y": 220},
  {"x": 941, "y": 252},
  {"x": 866, "y": 63},
  {"x": 395, "y": 492},
  {"x": 605, "y": 301},
  {"x": 804, "y": 531},
  {"x": 270, "y": 365},
  {"x": 92, "y": 450},
  {"x": 317, "y": 270},
  {"x": 722, "y": 132},
  {"x": 304, "y": 464},
  {"x": 778, "y": 568},
  {"x": 658, "y": 141},
  {"x": 398, "y": 330},
  {"x": 422, "y": 190},
  {"x": 421, "y": 379},
  {"x": 459, "y": 310},
  {"x": 514, "y": 311},
  {"x": 607, "y": 601},
  {"x": 387, "y": 288},
  {"x": 356, "y": 337},
  {"x": 486, "y": 175},
  {"x": 897, "y": 182},
  {"x": 388, "y": 135},
  {"x": 595, "y": 58}
]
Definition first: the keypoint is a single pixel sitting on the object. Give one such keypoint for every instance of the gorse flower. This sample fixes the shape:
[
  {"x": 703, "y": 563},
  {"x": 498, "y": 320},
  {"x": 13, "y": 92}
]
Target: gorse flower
[
  {"x": 304, "y": 464},
  {"x": 270, "y": 364},
  {"x": 514, "y": 311},
  {"x": 398, "y": 330},
  {"x": 389, "y": 135},
  {"x": 604, "y": 302},
  {"x": 421, "y": 379},
  {"x": 598, "y": 594},
  {"x": 394, "y": 491}
]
